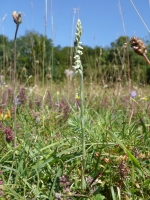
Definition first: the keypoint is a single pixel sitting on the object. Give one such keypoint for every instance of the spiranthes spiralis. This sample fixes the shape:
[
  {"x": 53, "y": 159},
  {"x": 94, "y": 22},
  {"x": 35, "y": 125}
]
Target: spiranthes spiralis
[
  {"x": 78, "y": 69},
  {"x": 139, "y": 48}
]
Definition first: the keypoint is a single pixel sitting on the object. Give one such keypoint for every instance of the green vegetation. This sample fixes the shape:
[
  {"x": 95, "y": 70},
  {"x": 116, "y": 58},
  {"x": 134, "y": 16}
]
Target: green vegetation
[
  {"x": 69, "y": 145},
  {"x": 102, "y": 64}
]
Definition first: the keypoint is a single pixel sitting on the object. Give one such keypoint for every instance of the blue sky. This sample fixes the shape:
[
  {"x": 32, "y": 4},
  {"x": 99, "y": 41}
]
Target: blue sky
[{"x": 101, "y": 19}]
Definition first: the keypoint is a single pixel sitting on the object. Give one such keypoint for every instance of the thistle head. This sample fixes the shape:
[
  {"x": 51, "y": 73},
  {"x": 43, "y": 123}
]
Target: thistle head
[
  {"x": 138, "y": 46},
  {"x": 17, "y": 17}
]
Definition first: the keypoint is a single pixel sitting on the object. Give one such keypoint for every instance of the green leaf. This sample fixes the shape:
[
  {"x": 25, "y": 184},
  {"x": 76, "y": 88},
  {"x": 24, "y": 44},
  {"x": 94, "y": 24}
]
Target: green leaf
[
  {"x": 147, "y": 182},
  {"x": 113, "y": 193},
  {"x": 52, "y": 189},
  {"x": 132, "y": 158},
  {"x": 20, "y": 167},
  {"x": 12, "y": 193},
  {"x": 98, "y": 197}
]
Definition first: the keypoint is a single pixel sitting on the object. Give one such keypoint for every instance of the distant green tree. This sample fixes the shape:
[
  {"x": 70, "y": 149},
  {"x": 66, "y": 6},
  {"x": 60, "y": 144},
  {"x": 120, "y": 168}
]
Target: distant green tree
[
  {"x": 62, "y": 61},
  {"x": 32, "y": 49},
  {"x": 5, "y": 54},
  {"x": 118, "y": 43},
  {"x": 35, "y": 52}
]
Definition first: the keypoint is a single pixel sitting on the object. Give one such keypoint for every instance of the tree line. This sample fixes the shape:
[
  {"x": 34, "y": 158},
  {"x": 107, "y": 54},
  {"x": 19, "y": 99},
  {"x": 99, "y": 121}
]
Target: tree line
[{"x": 36, "y": 53}]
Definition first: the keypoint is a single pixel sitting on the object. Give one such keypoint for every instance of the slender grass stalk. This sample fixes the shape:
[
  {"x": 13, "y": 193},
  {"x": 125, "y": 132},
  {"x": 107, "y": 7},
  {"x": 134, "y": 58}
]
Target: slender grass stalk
[
  {"x": 71, "y": 50},
  {"x": 121, "y": 72},
  {"x": 44, "y": 47},
  {"x": 43, "y": 63},
  {"x": 4, "y": 45},
  {"x": 78, "y": 69},
  {"x": 140, "y": 16},
  {"x": 123, "y": 24},
  {"x": 52, "y": 50},
  {"x": 17, "y": 20},
  {"x": 3, "y": 69},
  {"x": 133, "y": 181},
  {"x": 14, "y": 85}
]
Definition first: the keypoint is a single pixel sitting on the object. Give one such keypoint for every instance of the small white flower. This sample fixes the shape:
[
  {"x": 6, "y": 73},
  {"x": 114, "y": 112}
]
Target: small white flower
[
  {"x": 79, "y": 52},
  {"x": 75, "y": 67},
  {"x": 76, "y": 57},
  {"x": 79, "y": 47}
]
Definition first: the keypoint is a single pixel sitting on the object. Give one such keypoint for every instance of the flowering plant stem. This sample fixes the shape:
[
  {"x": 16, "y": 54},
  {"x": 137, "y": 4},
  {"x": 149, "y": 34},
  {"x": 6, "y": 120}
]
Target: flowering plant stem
[
  {"x": 83, "y": 134},
  {"x": 78, "y": 69},
  {"x": 18, "y": 20},
  {"x": 146, "y": 58},
  {"x": 14, "y": 85}
]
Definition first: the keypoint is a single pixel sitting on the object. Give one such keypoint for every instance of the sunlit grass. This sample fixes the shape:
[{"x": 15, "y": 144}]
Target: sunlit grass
[{"x": 48, "y": 159}]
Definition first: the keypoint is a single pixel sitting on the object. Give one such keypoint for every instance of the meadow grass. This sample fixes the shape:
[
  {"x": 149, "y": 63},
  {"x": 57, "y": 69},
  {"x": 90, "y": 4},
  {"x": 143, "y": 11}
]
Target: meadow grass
[{"x": 47, "y": 162}]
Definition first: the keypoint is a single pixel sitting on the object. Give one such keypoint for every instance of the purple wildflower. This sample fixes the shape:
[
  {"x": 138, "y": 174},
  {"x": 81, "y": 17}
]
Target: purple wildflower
[
  {"x": 64, "y": 181},
  {"x": 123, "y": 170},
  {"x": 22, "y": 95},
  {"x": 17, "y": 101},
  {"x": 9, "y": 134},
  {"x": 133, "y": 94},
  {"x": 64, "y": 108}
]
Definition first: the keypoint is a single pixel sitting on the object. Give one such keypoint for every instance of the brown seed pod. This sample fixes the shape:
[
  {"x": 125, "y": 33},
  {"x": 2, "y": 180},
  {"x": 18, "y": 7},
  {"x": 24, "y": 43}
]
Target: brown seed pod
[
  {"x": 17, "y": 17},
  {"x": 138, "y": 46}
]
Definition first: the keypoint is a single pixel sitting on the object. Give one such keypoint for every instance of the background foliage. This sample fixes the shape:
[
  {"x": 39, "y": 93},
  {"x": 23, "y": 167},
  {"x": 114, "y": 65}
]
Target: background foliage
[{"x": 100, "y": 64}]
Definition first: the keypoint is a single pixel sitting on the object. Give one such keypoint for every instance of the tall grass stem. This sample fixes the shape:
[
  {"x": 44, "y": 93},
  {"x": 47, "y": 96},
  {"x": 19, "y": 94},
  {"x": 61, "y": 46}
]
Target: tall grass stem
[
  {"x": 18, "y": 20},
  {"x": 139, "y": 16},
  {"x": 14, "y": 84}
]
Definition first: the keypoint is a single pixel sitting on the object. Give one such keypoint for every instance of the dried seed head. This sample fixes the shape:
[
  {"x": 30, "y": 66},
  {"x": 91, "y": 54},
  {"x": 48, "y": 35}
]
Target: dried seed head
[
  {"x": 17, "y": 17},
  {"x": 138, "y": 46},
  {"x": 48, "y": 76}
]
